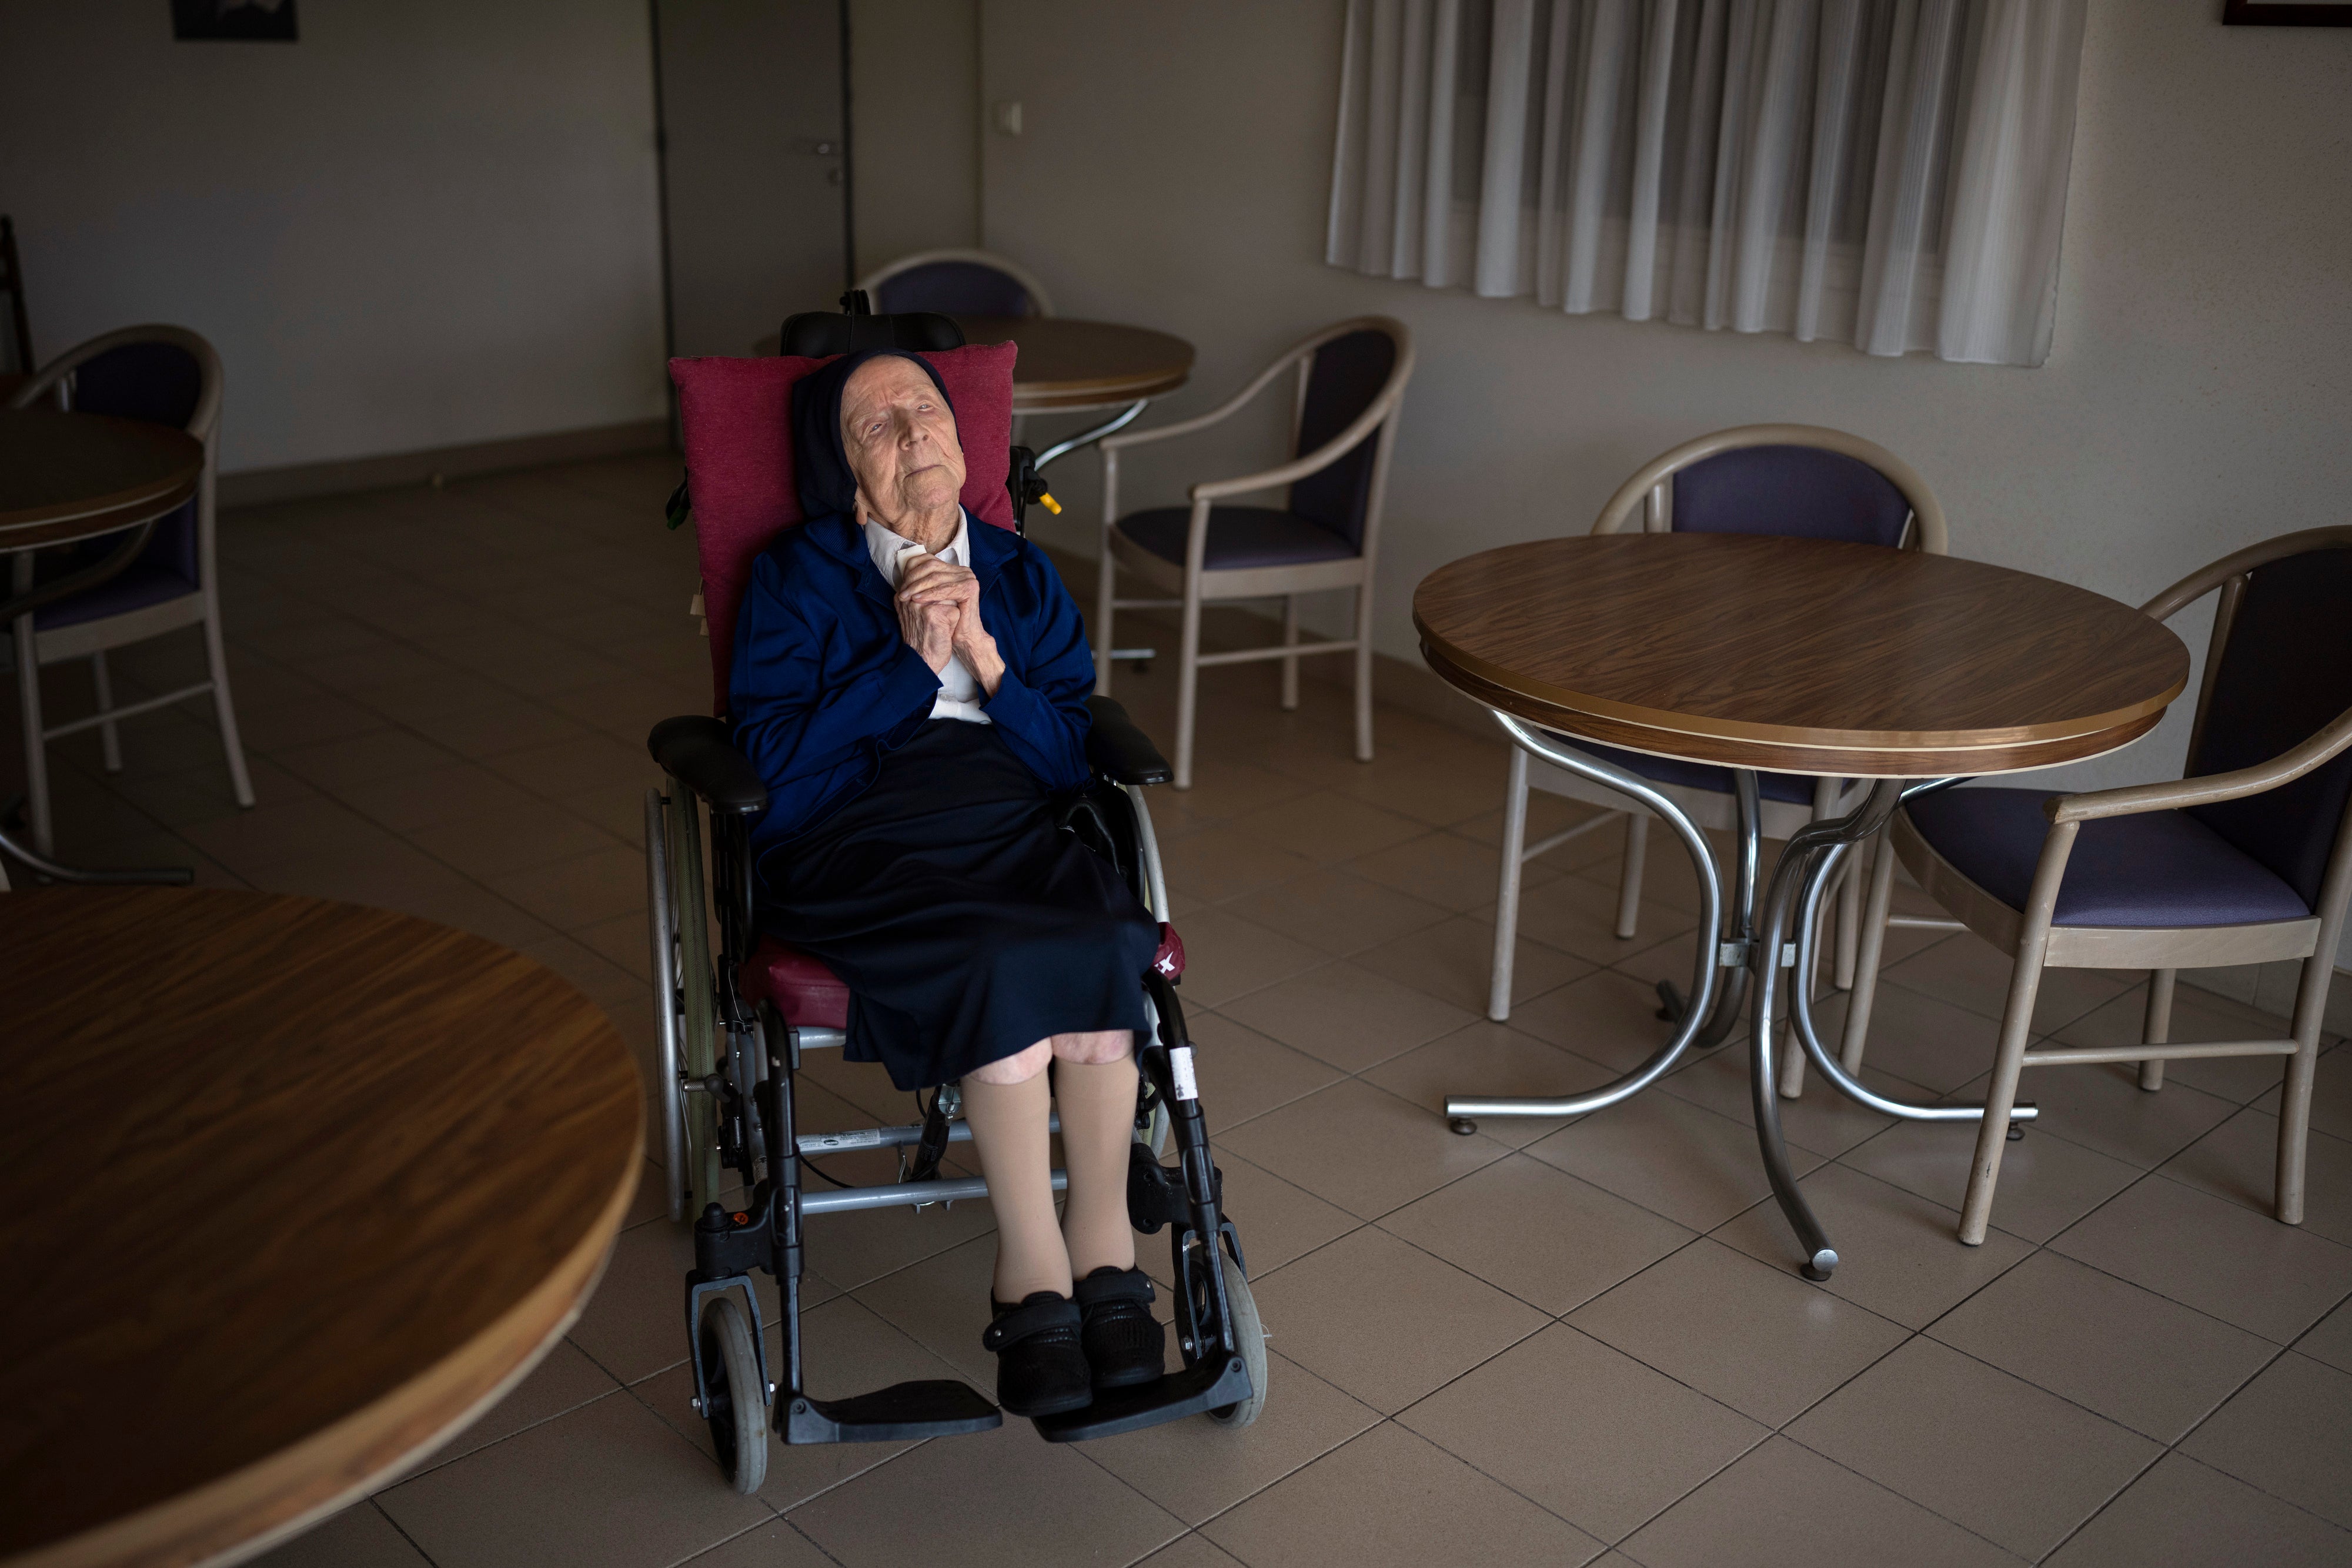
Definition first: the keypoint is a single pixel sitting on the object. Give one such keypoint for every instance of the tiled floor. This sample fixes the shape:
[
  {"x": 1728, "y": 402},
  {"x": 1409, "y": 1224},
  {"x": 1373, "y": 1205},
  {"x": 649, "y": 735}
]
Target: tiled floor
[{"x": 1547, "y": 1344}]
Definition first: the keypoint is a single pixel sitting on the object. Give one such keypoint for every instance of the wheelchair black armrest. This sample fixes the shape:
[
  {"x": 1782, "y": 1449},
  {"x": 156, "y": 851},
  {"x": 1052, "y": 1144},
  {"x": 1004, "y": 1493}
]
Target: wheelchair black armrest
[
  {"x": 694, "y": 751},
  {"x": 1120, "y": 752}
]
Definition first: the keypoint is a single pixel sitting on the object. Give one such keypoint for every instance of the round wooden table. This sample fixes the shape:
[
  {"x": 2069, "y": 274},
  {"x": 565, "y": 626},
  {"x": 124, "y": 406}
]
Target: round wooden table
[
  {"x": 66, "y": 477},
  {"x": 1796, "y": 655},
  {"x": 1068, "y": 366},
  {"x": 294, "y": 1190}
]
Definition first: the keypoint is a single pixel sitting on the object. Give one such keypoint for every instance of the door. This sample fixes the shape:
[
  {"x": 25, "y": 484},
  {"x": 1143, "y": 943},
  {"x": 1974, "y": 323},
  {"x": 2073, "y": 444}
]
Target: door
[{"x": 754, "y": 166}]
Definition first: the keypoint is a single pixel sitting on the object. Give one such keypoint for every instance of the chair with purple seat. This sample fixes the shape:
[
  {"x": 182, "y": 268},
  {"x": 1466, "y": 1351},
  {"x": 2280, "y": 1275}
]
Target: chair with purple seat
[
  {"x": 167, "y": 375},
  {"x": 1800, "y": 481},
  {"x": 957, "y": 283},
  {"x": 1324, "y": 536},
  {"x": 2245, "y": 860}
]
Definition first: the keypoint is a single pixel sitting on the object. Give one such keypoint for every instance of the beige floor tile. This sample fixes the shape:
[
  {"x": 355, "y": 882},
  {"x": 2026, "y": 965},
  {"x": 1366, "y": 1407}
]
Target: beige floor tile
[
  {"x": 2239, "y": 1161},
  {"x": 621, "y": 940},
  {"x": 1898, "y": 1254},
  {"x": 519, "y": 837},
  {"x": 1045, "y": 1504},
  {"x": 1191, "y": 1551},
  {"x": 1221, "y": 861},
  {"x": 1244, "y": 1074},
  {"x": 1438, "y": 792},
  {"x": 609, "y": 1483},
  {"x": 2205, "y": 1252},
  {"x": 2287, "y": 1432},
  {"x": 1327, "y": 828},
  {"x": 568, "y": 768},
  {"x": 1754, "y": 1337},
  {"x": 2127, "y": 1354},
  {"x": 270, "y": 728},
  {"x": 1916, "y": 1038},
  {"x": 1998, "y": 1456},
  {"x": 1277, "y": 1220},
  {"x": 1227, "y": 956},
  {"x": 1453, "y": 872},
  {"x": 1196, "y": 1470},
  {"x": 604, "y": 883},
  {"x": 1360, "y": 1148},
  {"x": 1364, "y": 1313},
  {"x": 2103, "y": 1107},
  {"x": 1350, "y": 1015},
  {"x": 2197, "y": 1015},
  {"x": 1336, "y": 912},
  {"x": 281, "y": 830},
  {"x": 1454, "y": 962},
  {"x": 1224, "y": 788},
  {"x": 2330, "y": 1340},
  {"x": 427, "y": 800},
  {"x": 1784, "y": 1506},
  {"x": 941, "y": 1302},
  {"x": 2046, "y": 1183},
  {"x": 1823, "y": 1121},
  {"x": 1391, "y": 1499},
  {"x": 1969, "y": 972},
  {"x": 202, "y": 794},
  {"x": 1578, "y": 915},
  {"x": 1485, "y": 1058},
  {"x": 851, "y": 1249},
  {"x": 1549, "y": 814},
  {"x": 1536, "y": 1232},
  {"x": 775, "y": 1545},
  {"x": 1606, "y": 1016},
  {"x": 1695, "y": 1167},
  {"x": 2331, "y": 1093},
  {"x": 359, "y": 1537},
  {"x": 846, "y": 1349},
  {"x": 564, "y": 1381},
  {"x": 383, "y": 754},
  {"x": 1587, "y": 1432},
  {"x": 506, "y": 724},
  {"x": 2182, "y": 1514}
]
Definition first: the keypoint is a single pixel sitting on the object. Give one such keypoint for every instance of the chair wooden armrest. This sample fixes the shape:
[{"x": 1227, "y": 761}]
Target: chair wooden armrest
[{"x": 2212, "y": 788}]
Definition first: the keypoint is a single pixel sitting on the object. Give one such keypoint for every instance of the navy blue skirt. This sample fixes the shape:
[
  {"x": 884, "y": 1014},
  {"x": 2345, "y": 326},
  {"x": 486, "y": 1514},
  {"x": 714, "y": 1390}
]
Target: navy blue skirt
[{"x": 966, "y": 925}]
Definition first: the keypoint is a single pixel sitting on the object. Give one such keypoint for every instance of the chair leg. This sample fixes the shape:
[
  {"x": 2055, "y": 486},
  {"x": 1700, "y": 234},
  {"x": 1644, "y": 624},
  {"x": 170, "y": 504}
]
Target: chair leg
[
  {"x": 1364, "y": 671},
  {"x": 1106, "y": 608},
  {"x": 1628, "y": 875},
  {"x": 110, "y": 734},
  {"x": 1188, "y": 689},
  {"x": 29, "y": 706},
  {"x": 1872, "y": 944},
  {"x": 2158, "y": 1028},
  {"x": 2302, "y": 1069},
  {"x": 1290, "y": 640},
  {"x": 1849, "y": 921},
  {"x": 1507, "y": 893},
  {"x": 223, "y": 708},
  {"x": 2009, "y": 1062}
]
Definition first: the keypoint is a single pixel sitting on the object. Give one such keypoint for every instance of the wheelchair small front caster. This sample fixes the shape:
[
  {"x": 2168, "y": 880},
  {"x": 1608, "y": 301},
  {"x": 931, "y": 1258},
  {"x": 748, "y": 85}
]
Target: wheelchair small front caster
[
  {"x": 1461, "y": 1126},
  {"x": 736, "y": 1406},
  {"x": 2017, "y": 1132}
]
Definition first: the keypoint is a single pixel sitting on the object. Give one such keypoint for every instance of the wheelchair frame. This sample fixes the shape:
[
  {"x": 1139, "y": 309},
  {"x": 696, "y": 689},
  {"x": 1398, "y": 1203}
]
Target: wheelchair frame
[{"x": 726, "y": 1074}]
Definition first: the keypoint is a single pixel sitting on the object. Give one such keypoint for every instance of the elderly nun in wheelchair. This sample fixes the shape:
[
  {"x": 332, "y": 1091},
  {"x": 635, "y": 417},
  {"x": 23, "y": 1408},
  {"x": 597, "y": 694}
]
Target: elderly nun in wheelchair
[{"x": 912, "y": 688}]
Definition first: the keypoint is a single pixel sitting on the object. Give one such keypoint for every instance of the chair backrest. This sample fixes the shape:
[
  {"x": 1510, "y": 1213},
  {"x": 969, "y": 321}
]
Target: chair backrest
[
  {"x": 2282, "y": 669},
  {"x": 735, "y": 419},
  {"x": 163, "y": 375},
  {"x": 1340, "y": 379},
  {"x": 957, "y": 283},
  {"x": 1798, "y": 481}
]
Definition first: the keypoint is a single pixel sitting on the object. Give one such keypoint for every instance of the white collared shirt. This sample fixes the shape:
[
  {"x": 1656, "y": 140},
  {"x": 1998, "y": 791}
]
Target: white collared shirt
[{"x": 960, "y": 694}]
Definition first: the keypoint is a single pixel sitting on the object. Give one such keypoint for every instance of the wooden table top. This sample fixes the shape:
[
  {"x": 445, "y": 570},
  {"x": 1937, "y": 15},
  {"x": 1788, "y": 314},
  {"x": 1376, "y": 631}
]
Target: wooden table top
[
  {"x": 1797, "y": 654},
  {"x": 293, "y": 1190},
  {"x": 1066, "y": 363},
  {"x": 66, "y": 476}
]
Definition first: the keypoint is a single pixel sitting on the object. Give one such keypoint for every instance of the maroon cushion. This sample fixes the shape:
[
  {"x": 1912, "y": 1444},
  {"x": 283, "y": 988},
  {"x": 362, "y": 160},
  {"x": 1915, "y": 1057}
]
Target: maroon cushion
[
  {"x": 799, "y": 987},
  {"x": 736, "y": 418}
]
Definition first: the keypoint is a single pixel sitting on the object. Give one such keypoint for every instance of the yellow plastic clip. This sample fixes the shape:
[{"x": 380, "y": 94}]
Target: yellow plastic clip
[{"x": 1050, "y": 504}]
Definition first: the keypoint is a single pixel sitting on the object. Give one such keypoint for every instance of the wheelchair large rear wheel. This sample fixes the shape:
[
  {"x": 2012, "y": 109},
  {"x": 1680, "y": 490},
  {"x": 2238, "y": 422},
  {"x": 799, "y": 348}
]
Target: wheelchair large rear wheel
[{"x": 734, "y": 1401}]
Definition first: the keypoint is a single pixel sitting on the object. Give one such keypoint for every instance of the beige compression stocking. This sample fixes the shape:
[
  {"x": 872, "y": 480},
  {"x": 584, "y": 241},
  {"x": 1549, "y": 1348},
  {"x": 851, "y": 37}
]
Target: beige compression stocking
[
  {"x": 1098, "y": 1104},
  {"x": 1008, "y": 1130}
]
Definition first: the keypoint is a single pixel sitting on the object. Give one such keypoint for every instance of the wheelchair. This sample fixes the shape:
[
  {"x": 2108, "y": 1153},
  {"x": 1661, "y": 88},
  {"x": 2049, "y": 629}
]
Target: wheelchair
[{"x": 735, "y": 1012}]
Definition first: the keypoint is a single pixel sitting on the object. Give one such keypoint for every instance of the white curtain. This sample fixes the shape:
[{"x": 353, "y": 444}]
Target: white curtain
[{"x": 1888, "y": 173}]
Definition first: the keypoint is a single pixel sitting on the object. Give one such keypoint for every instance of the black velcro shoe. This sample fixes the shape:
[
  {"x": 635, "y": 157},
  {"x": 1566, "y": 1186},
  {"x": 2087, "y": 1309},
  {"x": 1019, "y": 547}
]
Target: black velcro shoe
[
  {"x": 1040, "y": 1368},
  {"x": 1125, "y": 1343}
]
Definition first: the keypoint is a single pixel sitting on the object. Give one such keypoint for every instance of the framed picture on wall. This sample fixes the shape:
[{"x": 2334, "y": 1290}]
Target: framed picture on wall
[
  {"x": 2282, "y": 13},
  {"x": 269, "y": 21}
]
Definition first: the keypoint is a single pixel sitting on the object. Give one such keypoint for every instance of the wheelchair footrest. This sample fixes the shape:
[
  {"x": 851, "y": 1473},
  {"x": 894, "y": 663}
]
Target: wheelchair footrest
[
  {"x": 902, "y": 1412},
  {"x": 1211, "y": 1385}
]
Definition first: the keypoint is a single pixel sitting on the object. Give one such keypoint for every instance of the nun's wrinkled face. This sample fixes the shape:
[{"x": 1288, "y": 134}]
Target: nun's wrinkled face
[{"x": 901, "y": 441}]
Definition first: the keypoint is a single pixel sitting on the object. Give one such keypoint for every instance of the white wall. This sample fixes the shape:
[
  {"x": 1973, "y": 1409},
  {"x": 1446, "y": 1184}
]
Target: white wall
[
  {"x": 1175, "y": 172},
  {"x": 428, "y": 223},
  {"x": 914, "y": 111}
]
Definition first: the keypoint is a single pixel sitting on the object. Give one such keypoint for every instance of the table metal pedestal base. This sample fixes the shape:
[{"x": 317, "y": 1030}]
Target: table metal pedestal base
[{"x": 1758, "y": 947}]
